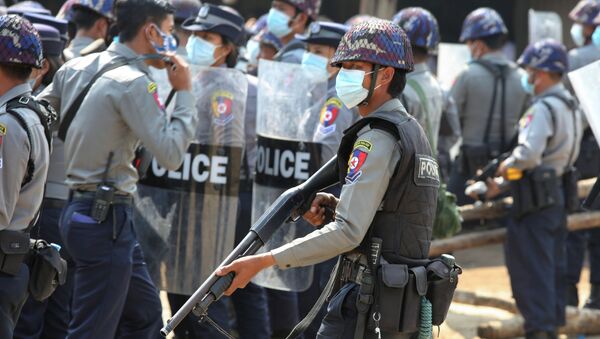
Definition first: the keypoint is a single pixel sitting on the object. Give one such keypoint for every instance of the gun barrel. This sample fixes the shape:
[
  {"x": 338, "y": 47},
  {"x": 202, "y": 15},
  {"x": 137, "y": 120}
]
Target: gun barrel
[{"x": 251, "y": 241}]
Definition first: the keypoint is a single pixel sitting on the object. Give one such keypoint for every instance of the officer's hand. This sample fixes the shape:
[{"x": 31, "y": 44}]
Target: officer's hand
[
  {"x": 502, "y": 169},
  {"x": 179, "y": 74},
  {"x": 245, "y": 269},
  {"x": 316, "y": 215}
]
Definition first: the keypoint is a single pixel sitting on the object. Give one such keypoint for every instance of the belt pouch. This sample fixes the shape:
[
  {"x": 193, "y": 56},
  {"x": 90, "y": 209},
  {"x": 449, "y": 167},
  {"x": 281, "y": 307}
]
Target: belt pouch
[
  {"x": 522, "y": 193},
  {"x": 47, "y": 271},
  {"x": 569, "y": 181},
  {"x": 411, "y": 308},
  {"x": 392, "y": 282},
  {"x": 442, "y": 282},
  {"x": 546, "y": 187},
  {"x": 14, "y": 246}
]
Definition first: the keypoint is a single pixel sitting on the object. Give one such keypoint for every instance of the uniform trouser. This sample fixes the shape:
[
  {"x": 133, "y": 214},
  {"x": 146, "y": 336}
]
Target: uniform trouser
[
  {"x": 113, "y": 294},
  {"x": 50, "y": 318},
  {"x": 283, "y": 311},
  {"x": 307, "y": 299},
  {"x": 536, "y": 262},
  {"x": 249, "y": 303},
  {"x": 576, "y": 246},
  {"x": 13, "y": 293},
  {"x": 457, "y": 184},
  {"x": 192, "y": 328},
  {"x": 341, "y": 317}
]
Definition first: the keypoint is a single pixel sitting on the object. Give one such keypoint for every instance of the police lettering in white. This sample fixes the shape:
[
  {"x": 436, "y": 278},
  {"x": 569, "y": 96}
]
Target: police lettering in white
[
  {"x": 202, "y": 168},
  {"x": 286, "y": 164}
]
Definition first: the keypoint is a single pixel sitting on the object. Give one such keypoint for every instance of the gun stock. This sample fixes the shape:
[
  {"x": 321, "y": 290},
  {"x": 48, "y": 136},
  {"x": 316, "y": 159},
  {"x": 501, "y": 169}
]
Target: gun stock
[{"x": 291, "y": 202}]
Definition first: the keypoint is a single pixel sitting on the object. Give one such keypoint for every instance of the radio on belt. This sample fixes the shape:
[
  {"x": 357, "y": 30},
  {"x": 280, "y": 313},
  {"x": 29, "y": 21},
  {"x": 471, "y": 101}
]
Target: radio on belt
[{"x": 105, "y": 194}]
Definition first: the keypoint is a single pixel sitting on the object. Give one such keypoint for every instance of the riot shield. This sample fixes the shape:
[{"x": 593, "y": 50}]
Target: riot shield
[
  {"x": 194, "y": 209},
  {"x": 544, "y": 25},
  {"x": 452, "y": 59},
  {"x": 585, "y": 82},
  {"x": 289, "y": 99}
]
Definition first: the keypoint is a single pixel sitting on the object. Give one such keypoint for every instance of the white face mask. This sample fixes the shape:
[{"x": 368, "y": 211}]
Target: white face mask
[{"x": 349, "y": 86}]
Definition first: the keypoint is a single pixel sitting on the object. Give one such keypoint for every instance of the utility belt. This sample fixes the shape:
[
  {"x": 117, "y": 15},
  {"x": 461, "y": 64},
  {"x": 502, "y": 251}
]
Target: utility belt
[
  {"x": 475, "y": 157},
  {"x": 47, "y": 269},
  {"x": 102, "y": 199},
  {"x": 539, "y": 189},
  {"x": 394, "y": 302}
]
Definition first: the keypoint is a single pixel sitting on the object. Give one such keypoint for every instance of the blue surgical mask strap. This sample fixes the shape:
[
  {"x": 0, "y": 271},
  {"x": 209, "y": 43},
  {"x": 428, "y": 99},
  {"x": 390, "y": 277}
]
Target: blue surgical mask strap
[{"x": 372, "y": 87}]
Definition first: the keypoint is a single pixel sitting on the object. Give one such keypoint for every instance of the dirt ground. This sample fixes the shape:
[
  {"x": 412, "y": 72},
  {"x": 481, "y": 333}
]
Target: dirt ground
[{"x": 483, "y": 272}]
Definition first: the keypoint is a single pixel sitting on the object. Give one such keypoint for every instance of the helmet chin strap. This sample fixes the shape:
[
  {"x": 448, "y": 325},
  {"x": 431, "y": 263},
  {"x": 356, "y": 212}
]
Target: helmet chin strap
[{"x": 372, "y": 87}]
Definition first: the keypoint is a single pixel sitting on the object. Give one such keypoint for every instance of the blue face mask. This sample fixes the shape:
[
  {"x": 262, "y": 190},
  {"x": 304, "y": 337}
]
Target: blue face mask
[
  {"x": 278, "y": 23},
  {"x": 314, "y": 61},
  {"x": 528, "y": 87},
  {"x": 349, "y": 87},
  {"x": 169, "y": 42},
  {"x": 596, "y": 36},
  {"x": 200, "y": 51},
  {"x": 252, "y": 50},
  {"x": 577, "y": 34}
]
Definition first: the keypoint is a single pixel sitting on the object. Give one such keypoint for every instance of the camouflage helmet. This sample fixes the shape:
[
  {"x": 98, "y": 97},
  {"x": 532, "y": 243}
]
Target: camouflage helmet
[
  {"x": 310, "y": 7},
  {"x": 481, "y": 23},
  {"x": 546, "y": 55},
  {"x": 585, "y": 11},
  {"x": 420, "y": 26},
  {"x": 376, "y": 41},
  {"x": 19, "y": 42},
  {"x": 102, "y": 7}
]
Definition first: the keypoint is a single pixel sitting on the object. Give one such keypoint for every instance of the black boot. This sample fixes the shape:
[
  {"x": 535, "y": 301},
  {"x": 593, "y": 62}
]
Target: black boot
[
  {"x": 593, "y": 301},
  {"x": 572, "y": 296}
]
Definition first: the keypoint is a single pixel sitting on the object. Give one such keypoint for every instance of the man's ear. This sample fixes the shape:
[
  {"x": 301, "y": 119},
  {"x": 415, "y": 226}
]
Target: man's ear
[
  {"x": 45, "y": 67},
  {"x": 300, "y": 20},
  {"x": 387, "y": 74}
]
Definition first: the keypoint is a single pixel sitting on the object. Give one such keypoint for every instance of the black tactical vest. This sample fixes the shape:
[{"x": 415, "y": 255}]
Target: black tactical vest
[{"x": 405, "y": 220}]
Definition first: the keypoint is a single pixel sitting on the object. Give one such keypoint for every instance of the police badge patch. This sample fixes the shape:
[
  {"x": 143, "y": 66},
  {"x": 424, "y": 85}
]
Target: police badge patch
[
  {"x": 222, "y": 102},
  {"x": 357, "y": 159},
  {"x": 329, "y": 114},
  {"x": 426, "y": 171}
]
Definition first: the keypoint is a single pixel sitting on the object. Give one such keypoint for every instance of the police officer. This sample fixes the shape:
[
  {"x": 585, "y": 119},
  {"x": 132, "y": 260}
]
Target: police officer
[
  {"x": 449, "y": 135},
  {"x": 488, "y": 95},
  {"x": 548, "y": 143},
  {"x": 113, "y": 292},
  {"x": 423, "y": 95},
  {"x": 92, "y": 19},
  {"x": 269, "y": 46},
  {"x": 24, "y": 154},
  {"x": 184, "y": 9},
  {"x": 588, "y": 162},
  {"x": 375, "y": 57},
  {"x": 50, "y": 318},
  {"x": 288, "y": 18},
  {"x": 322, "y": 40}
]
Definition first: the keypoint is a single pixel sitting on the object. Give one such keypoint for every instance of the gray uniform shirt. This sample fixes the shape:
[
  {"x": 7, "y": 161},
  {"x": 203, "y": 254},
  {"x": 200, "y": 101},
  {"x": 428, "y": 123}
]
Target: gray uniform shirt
[
  {"x": 450, "y": 125},
  {"x": 359, "y": 200},
  {"x": 19, "y": 205},
  {"x": 75, "y": 46},
  {"x": 427, "y": 110},
  {"x": 335, "y": 119},
  {"x": 121, "y": 109},
  {"x": 292, "y": 52},
  {"x": 473, "y": 91},
  {"x": 544, "y": 140}
]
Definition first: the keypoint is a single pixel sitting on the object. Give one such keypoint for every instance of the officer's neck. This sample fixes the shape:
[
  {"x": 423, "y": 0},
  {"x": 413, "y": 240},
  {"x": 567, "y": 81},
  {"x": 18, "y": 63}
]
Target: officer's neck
[
  {"x": 6, "y": 84},
  {"x": 376, "y": 101},
  {"x": 286, "y": 39},
  {"x": 542, "y": 87}
]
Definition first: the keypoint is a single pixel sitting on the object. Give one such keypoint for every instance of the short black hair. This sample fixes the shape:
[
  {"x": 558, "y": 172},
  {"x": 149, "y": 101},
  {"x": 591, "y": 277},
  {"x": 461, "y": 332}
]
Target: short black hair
[
  {"x": 419, "y": 52},
  {"x": 398, "y": 83},
  {"x": 85, "y": 18},
  {"x": 133, "y": 14},
  {"x": 16, "y": 71},
  {"x": 495, "y": 42},
  {"x": 55, "y": 62},
  {"x": 232, "y": 58}
]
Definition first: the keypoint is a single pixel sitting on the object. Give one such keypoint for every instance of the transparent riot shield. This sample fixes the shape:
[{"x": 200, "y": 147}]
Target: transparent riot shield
[
  {"x": 289, "y": 99},
  {"x": 586, "y": 82},
  {"x": 544, "y": 25},
  {"x": 190, "y": 213},
  {"x": 452, "y": 59}
]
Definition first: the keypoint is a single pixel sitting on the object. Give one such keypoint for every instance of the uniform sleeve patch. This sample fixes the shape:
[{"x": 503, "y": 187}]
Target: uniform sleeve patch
[
  {"x": 222, "y": 107},
  {"x": 152, "y": 87},
  {"x": 364, "y": 144},
  {"x": 2, "y": 130},
  {"x": 526, "y": 119},
  {"x": 357, "y": 160},
  {"x": 329, "y": 114},
  {"x": 426, "y": 171}
]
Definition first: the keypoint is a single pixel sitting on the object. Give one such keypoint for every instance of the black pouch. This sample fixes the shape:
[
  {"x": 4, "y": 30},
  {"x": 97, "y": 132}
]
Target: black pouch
[
  {"x": 14, "y": 246},
  {"x": 47, "y": 270},
  {"x": 392, "y": 281},
  {"x": 442, "y": 282},
  {"x": 545, "y": 187},
  {"x": 523, "y": 200},
  {"x": 569, "y": 181},
  {"x": 474, "y": 158},
  {"x": 411, "y": 308}
]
